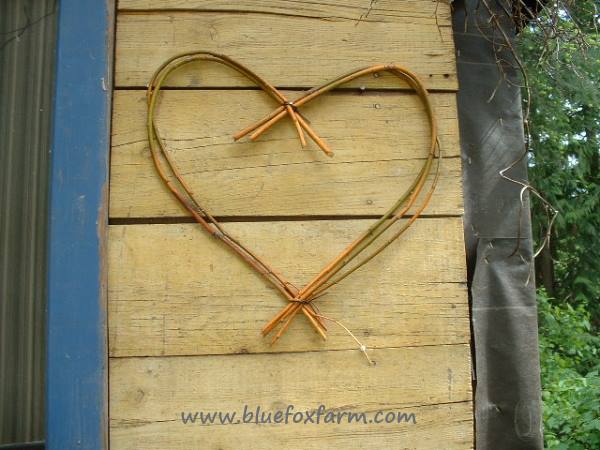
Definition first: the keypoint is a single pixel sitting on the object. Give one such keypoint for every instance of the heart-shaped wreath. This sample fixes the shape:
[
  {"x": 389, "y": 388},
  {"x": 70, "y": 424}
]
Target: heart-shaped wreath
[{"x": 299, "y": 300}]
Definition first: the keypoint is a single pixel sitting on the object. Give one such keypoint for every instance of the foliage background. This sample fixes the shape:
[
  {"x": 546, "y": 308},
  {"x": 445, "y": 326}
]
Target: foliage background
[{"x": 561, "y": 54}]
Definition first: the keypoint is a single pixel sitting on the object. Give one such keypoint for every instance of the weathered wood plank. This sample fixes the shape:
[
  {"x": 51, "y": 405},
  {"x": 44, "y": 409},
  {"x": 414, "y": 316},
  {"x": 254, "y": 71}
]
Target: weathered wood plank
[
  {"x": 148, "y": 396},
  {"x": 285, "y": 49},
  {"x": 175, "y": 291},
  {"x": 358, "y": 11},
  {"x": 377, "y": 139},
  {"x": 185, "y": 313}
]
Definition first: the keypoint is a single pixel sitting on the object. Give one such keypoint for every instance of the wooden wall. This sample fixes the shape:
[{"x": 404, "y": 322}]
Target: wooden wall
[{"x": 185, "y": 313}]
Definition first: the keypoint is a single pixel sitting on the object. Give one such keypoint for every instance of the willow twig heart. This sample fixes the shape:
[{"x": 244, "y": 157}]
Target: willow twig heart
[{"x": 299, "y": 300}]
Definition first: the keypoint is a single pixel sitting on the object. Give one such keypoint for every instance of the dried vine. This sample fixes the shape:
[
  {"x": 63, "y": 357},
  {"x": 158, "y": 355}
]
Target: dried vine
[
  {"x": 502, "y": 16},
  {"x": 299, "y": 300}
]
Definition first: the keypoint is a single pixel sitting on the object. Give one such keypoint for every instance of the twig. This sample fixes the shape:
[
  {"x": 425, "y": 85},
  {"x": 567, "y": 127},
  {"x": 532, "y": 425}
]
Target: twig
[{"x": 362, "y": 347}]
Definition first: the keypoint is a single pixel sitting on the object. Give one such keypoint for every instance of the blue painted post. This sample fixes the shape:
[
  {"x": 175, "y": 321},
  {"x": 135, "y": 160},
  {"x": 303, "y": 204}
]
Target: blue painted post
[{"x": 77, "y": 353}]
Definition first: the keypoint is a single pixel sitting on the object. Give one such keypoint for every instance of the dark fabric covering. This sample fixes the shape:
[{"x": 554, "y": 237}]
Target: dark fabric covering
[{"x": 502, "y": 290}]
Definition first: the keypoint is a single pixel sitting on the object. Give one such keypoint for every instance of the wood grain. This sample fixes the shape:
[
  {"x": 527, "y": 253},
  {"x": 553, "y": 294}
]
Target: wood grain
[
  {"x": 378, "y": 140},
  {"x": 287, "y": 49},
  {"x": 175, "y": 291},
  {"x": 382, "y": 11},
  {"x": 148, "y": 396}
]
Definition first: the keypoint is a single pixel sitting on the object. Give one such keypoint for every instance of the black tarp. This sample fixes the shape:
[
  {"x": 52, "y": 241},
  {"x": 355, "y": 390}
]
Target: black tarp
[{"x": 501, "y": 286}]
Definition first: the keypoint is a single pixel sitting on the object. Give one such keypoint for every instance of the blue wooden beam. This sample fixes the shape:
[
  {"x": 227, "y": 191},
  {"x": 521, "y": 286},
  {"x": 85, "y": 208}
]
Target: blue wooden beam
[{"x": 76, "y": 380}]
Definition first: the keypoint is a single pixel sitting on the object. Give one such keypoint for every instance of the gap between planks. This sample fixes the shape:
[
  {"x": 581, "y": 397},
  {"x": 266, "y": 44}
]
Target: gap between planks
[
  {"x": 285, "y": 352},
  {"x": 338, "y": 91},
  {"x": 174, "y": 220}
]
